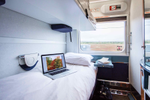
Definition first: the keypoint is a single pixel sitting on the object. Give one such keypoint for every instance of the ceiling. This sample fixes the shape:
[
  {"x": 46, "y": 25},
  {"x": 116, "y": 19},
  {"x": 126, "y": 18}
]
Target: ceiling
[
  {"x": 92, "y": 1},
  {"x": 147, "y": 5}
]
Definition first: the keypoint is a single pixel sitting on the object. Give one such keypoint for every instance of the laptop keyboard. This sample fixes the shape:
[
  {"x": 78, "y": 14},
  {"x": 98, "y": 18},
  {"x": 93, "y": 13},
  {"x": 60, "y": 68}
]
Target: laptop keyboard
[{"x": 59, "y": 72}]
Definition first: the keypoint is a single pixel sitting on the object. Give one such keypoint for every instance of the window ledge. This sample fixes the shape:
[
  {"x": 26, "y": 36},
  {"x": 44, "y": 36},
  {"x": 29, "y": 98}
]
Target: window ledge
[{"x": 105, "y": 53}]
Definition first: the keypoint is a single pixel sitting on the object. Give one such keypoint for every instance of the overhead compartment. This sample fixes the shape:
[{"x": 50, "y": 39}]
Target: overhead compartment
[
  {"x": 84, "y": 6},
  {"x": 52, "y": 12}
]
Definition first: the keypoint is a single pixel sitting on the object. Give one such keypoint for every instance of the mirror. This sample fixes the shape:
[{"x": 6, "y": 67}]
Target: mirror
[{"x": 147, "y": 32}]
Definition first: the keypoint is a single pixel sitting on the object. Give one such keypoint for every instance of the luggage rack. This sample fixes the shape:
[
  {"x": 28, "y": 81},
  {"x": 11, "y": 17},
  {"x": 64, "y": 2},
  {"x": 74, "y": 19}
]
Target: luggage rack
[
  {"x": 117, "y": 87},
  {"x": 115, "y": 83},
  {"x": 119, "y": 92}
]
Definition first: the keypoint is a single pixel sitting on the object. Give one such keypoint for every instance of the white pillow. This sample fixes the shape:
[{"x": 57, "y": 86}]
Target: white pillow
[{"x": 79, "y": 59}]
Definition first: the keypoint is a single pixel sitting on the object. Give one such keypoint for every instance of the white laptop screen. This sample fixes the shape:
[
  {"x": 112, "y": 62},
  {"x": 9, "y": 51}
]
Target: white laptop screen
[{"x": 53, "y": 62}]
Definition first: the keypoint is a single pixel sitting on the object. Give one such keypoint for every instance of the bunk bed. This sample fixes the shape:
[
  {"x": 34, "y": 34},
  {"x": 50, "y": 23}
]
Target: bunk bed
[{"x": 33, "y": 85}]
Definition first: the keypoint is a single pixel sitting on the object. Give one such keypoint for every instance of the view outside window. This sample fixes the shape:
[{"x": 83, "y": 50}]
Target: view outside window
[
  {"x": 147, "y": 35},
  {"x": 109, "y": 36}
]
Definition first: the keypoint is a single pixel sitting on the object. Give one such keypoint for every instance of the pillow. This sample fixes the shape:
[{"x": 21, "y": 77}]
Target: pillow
[{"x": 79, "y": 59}]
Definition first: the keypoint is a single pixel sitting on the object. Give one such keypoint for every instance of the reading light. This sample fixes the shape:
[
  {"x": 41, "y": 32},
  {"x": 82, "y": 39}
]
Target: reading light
[{"x": 2, "y": 2}]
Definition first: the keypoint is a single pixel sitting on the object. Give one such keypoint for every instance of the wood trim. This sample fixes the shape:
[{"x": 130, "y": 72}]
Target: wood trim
[
  {"x": 111, "y": 19},
  {"x": 135, "y": 94},
  {"x": 142, "y": 91},
  {"x": 147, "y": 15}
]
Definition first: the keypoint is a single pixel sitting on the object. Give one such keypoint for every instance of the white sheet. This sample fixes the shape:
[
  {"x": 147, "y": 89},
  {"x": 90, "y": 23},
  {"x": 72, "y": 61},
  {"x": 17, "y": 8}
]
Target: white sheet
[{"x": 34, "y": 85}]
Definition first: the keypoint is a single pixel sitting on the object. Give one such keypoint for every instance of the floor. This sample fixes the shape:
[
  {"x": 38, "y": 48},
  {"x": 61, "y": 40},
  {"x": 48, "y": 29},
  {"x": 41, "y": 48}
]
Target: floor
[
  {"x": 117, "y": 97},
  {"x": 114, "y": 97},
  {"x": 99, "y": 95}
]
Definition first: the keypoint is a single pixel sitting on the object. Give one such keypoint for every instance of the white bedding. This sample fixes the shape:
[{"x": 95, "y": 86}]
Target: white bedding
[{"x": 33, "y": 85}]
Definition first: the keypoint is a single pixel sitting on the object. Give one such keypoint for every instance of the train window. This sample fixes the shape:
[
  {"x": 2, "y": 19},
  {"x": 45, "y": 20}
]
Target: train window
[
  {"x": 147, "y": 35},
  {"x": 109, "y": 37}
]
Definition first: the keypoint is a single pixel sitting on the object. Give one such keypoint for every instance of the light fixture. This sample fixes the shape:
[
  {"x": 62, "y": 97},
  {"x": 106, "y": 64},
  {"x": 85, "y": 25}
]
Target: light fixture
[{"x": 2, "y": 2}]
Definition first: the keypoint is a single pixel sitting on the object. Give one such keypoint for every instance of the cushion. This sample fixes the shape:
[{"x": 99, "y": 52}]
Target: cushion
[{"x": 79, "y": 59}]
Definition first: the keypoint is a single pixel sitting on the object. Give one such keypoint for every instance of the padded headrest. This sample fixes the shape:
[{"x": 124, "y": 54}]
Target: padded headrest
[{"x": 31, "y": 59}]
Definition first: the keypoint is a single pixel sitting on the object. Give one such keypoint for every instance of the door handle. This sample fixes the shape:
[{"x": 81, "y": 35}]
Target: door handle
[{"x": 143, "y": 47}]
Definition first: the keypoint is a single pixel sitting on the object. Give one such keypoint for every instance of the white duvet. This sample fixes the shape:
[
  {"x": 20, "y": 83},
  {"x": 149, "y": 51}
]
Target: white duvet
[{"x": 33, "y": 85}]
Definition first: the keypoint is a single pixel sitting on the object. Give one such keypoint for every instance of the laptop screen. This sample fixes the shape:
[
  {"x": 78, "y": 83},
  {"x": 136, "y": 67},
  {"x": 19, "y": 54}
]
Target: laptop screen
[{"x": 53, "y": 62}]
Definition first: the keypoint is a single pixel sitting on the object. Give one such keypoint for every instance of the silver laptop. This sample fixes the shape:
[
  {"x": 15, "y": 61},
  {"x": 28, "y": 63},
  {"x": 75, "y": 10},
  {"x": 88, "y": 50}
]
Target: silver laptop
[{"x": 54, "y": 66}]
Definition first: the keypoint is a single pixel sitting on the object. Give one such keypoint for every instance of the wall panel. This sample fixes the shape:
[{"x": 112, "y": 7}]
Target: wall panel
[{"x": 20, "y": 34}]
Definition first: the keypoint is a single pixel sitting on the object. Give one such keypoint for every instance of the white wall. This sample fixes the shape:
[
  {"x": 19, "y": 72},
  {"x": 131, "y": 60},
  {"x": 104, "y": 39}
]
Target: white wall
[
  {"x": 136, "y": 54},
  {"x": 73, "y": 46},
  {"x": 20, "y": 34}
]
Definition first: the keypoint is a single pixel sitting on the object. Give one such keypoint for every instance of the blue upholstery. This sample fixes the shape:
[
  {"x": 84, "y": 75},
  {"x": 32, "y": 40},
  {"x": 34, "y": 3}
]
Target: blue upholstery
[
  {"x": 114, "y": 59},
  {"x": 26, "y": 68}
]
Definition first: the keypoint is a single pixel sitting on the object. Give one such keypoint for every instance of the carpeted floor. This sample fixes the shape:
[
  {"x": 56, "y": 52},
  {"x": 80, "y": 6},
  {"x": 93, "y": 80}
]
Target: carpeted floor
[
  {"x": 117, "y": 97},
  {"x": 98, "y": 96}
]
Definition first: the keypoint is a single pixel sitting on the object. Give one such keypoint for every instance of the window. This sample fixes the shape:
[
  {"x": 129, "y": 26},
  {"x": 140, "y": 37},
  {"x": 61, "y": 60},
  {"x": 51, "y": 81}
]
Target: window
[
  {"x": 108, "y": 37},
  {"x": 147, "y": 35}
]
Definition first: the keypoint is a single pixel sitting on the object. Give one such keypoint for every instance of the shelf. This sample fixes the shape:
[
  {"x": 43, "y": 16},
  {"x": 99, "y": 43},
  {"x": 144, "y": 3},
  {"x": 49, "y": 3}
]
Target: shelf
[
  {"x": 119, "y": 92},
  {"x": 52, "y": 12},
  {"x": 146, "y": 78},
  {"x": 147, "y": 92},
  {"x": 146, "y": 68}
]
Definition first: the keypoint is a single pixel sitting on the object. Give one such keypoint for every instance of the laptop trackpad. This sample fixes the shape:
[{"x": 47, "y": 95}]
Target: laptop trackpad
[
  {"x": 61, "y": 74},
  {"x": 58, "y": 72}
]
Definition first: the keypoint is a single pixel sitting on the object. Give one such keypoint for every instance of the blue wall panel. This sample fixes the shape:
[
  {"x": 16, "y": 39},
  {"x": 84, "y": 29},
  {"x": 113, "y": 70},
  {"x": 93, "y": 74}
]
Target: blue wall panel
[{"x": 114, "y": 59}]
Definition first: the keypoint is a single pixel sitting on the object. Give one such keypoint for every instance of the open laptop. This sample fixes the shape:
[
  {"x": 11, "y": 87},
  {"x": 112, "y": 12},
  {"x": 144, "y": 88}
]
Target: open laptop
[{"x": 54, "y": 65}]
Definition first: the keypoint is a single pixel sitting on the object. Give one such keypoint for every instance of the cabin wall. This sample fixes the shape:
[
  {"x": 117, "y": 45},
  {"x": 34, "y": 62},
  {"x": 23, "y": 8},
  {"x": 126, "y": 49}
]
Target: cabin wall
[
  {"x": 20, "y": 34},
  {"x": 72, "y": 44},
  {"x": 136, "y": 52}
]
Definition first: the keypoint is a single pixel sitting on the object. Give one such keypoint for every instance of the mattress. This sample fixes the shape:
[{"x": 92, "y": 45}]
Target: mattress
[{"x": 33, "y": 85}]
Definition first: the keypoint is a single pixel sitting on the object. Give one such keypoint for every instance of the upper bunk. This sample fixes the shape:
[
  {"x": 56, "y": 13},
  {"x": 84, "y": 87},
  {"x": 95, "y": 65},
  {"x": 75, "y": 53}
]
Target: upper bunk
[{"x": 55, "y": 12}]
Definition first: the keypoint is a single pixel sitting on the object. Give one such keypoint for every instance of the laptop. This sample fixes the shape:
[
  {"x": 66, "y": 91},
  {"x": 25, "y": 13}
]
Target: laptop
[{"x": 54, "y": 66}]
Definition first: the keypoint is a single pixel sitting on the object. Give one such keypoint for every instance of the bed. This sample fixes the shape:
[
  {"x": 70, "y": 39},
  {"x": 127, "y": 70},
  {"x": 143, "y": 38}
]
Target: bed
[{"x": 33, "y": 85}]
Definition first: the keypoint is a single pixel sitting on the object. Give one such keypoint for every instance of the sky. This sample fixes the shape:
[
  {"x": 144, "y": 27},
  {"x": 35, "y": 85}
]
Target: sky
[
  {"x": 147, "y": 29},
  {"x": 112, "y": 31}
]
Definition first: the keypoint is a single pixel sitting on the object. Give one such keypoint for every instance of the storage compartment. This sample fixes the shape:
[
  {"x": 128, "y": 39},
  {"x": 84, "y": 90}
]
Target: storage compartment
[
  {"x": 105, "y": 73},
  {"x": 84, "y": 6},
  {"x": 118, "y": 73}
]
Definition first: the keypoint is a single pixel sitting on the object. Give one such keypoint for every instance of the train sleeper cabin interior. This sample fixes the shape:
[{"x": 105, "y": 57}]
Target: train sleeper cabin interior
[{"x": 74, "y": 49}]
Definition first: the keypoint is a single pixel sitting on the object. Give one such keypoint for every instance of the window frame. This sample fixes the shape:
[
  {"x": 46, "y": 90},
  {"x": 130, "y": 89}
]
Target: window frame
[{"x": 124, "y": 52}]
